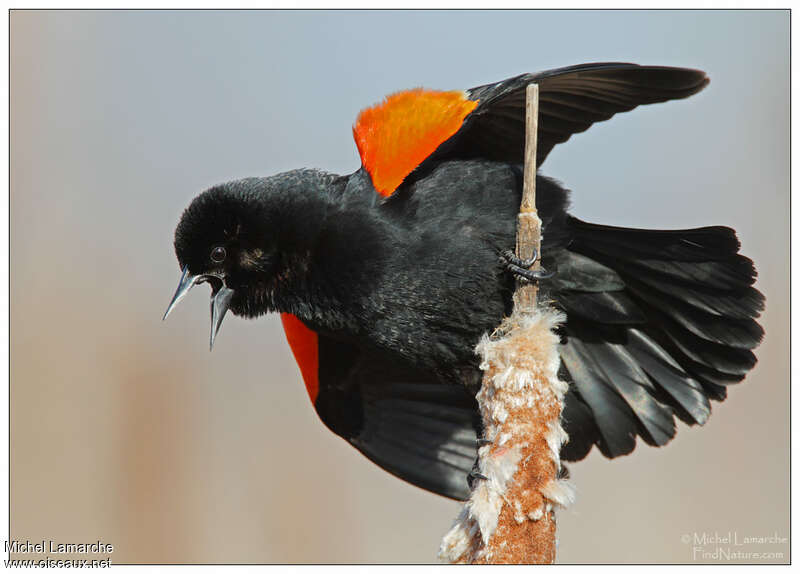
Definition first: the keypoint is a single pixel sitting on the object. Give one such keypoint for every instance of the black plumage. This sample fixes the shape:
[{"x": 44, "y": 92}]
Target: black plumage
[{"x": 399, "y": 290}]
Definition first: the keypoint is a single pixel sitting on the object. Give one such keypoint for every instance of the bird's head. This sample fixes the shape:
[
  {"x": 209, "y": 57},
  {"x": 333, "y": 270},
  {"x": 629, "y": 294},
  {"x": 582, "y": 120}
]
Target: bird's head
[{"x": 229, "y": 237}]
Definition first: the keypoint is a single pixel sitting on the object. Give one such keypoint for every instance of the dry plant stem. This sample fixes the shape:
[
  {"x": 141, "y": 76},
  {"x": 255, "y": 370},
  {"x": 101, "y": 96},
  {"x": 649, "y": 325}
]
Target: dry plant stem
[
  {"x": 528, "y": 223},
  {"x": 509, "y": 517}
]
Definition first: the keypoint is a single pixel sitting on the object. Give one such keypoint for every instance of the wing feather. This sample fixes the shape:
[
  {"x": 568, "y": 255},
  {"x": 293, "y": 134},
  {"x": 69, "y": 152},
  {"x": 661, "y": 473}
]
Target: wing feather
[{"x": 412, "y": 129}]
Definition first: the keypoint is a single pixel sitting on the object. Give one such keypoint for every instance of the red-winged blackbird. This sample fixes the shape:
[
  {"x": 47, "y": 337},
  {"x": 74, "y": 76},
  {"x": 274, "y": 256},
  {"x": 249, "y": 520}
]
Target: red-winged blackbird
[{"x": 386, "y": 278}]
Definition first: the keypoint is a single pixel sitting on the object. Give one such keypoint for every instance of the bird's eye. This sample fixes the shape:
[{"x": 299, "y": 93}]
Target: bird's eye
[{"x": 218, "y": 254}]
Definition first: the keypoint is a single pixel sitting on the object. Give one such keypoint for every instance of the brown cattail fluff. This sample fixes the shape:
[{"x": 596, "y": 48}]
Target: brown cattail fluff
[{"x": 509, "y": 517}]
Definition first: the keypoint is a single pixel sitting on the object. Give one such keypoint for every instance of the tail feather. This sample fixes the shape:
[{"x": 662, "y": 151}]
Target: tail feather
[
  {"x": 700, "y": 244},
  {"x": 722, "y": 358},
  {"x": 735, "y": 304},
  {"x": 610, "y": 307},
  {"x": 616, "y": 427},
  {"x": 671, "y": 377},
  {"x": 673, "y": 327},
  {"x": 730, "y": 331},
  {"x": 612, "y": 365},
  {"x": 719, "y": 274},
  {"x": 580, "y": 425}
]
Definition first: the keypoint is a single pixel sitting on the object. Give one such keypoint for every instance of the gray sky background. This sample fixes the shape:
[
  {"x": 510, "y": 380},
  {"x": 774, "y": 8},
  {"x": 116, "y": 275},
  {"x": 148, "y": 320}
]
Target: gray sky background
[{"x": 128, "y": 430}]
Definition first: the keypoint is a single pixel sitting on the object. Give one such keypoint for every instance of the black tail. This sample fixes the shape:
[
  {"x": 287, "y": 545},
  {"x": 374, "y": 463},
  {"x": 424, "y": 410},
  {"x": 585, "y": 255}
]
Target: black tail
[{"x": 658, "y": 323}]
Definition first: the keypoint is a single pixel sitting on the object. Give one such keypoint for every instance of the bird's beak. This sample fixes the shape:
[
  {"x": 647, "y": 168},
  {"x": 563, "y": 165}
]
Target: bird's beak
[
  {"x": 187, "y": 282},
  {"x": 220, "y": 298},
  {"x": 220, "y": 301}
]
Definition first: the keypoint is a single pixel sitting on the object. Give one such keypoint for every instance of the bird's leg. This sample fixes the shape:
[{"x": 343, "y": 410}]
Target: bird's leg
[{"x": 521, "y": 267}]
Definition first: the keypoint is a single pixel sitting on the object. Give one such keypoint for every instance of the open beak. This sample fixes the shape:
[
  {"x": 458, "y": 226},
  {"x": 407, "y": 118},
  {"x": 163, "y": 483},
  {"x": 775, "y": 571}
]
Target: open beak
[
  {"x": 220, "y": 301},
  {"x": 220, "y": 298}
]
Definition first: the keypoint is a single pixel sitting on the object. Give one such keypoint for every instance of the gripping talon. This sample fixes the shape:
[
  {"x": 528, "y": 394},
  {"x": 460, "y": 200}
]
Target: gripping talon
[
  {"x": 521, "y": 267},
  {"x": 473, "y": 476},
  {"x": 529, "y": 275},
  {"x": 484, "y": 442},
  {"x": 511, "y": 258}
]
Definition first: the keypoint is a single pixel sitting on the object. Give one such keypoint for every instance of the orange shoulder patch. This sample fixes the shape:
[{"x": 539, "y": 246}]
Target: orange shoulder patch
[
  {"x": 395, "y": 136},
  {"x": 304, "y": 344}
]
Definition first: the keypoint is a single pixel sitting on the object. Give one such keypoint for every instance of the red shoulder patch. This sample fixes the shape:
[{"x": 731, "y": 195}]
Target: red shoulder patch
[
  {"x": 395, "y": 136},
  {"x": 304, "y": 344}
]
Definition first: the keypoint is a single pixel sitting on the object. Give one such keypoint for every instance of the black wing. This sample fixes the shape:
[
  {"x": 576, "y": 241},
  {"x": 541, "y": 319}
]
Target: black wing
[
  {"x": 411, "y": 425},
  {"x": 570, "y": 100}
]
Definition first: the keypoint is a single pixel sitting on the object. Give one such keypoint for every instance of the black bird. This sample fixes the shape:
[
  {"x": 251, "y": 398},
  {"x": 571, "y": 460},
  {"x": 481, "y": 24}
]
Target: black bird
[{"x": 386, "y": 278}]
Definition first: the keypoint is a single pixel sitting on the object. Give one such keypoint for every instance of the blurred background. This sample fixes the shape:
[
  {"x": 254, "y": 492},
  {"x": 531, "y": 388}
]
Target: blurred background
[{"x": 127, "y": 430}]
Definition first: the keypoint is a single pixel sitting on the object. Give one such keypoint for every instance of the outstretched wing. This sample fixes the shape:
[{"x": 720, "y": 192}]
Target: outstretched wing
[
  {"x": 413, "y": 130},
  {"x": 570, "y": 101}
]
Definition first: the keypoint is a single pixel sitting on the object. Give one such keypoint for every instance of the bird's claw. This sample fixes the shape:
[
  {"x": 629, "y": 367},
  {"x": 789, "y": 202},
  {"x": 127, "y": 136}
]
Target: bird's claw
[
  {"x": 484, "y": 442},
  {"x": 511, "y": 258},
  {"x": 521, "y": 267},
  {"x": 529, "y": 275},
  {"x": 473, "y": 476}
]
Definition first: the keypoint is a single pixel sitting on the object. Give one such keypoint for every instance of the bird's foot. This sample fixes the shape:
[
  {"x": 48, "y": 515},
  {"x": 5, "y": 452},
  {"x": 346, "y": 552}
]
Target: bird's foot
[
  {"x": 484, "y": 442},
  {"x": 473, "y": 476},
  {"x": 521, "y": 267},
  {"x": 509, "y": 257}
]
